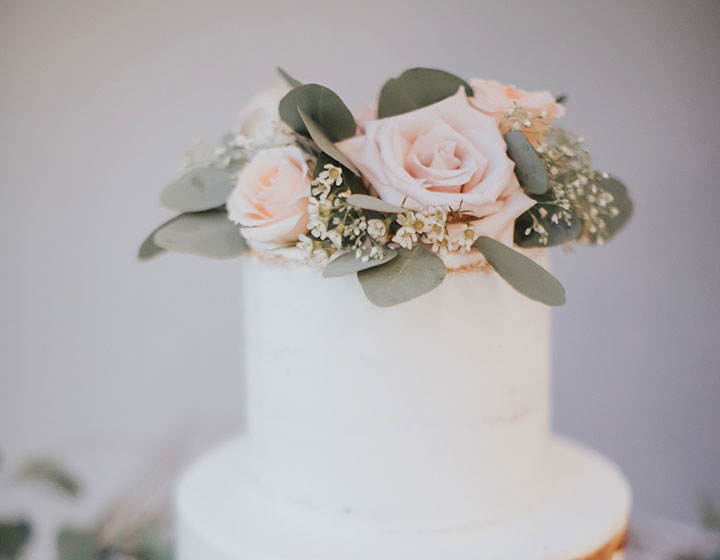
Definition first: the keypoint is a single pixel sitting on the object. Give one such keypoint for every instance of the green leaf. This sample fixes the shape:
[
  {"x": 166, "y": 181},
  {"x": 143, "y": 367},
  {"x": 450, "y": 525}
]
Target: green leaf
[
  {"x": 367, "y": 202},
  {"x": 14, "y": 535},
  {"x": 292, "y": 82},
  {"x": 412, "y": 273},
  {"x": 710, "y": 514},
  {"x": 561, "y": 99},
  {"x": 157, "y": 551},
  {"x": 621, "y": 201},
  {"x": 529, "y": 168},
  {"x": 347, "y": 264},
  {"x": 417, "y": 88},
  {"x": 73, "y": 544},
  {"x": 324, "y": 143},
  {"x": 522, "y": 273},
  {"x": 558, "y": 233},
  {"x": 323, "y": 106},
  {"x": 149, "y": 248},
  {"x": 198, "y": 190},
  {"x": 49, "y": 472},
  {"x": 207, "y": 234}
]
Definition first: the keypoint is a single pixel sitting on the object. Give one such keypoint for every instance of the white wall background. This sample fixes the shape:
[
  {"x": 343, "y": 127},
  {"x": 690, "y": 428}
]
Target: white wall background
[{"x": 100, "y": 356}]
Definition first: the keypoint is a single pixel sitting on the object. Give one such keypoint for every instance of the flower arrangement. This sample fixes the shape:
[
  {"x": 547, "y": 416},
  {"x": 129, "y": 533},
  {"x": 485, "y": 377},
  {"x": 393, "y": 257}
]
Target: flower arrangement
[{"x": 440, "y": 165}]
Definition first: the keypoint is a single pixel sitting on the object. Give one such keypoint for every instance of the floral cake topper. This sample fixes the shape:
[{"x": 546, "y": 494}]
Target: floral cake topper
[{"x": 438, "y": 166}]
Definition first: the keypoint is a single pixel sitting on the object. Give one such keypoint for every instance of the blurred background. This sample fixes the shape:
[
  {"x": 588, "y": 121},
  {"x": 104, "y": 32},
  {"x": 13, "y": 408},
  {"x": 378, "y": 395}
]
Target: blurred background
[{"x": 122, "y": 370}]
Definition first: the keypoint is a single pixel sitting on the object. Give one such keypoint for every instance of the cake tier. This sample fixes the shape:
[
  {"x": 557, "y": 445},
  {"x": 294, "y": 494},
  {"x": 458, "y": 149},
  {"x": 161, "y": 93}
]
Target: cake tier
[
  {"x": 222, "y": 514},
  {"x": 430, "y": 414}
]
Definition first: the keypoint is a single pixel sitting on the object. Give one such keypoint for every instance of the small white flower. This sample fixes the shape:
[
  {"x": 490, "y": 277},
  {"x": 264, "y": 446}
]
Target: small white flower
[
  {"x": 320, "y": 190},
  {"x": 377, "y": 229},
  {"x": 335, "y": 238},
  {"x": 306, "y": 244},
  {"x": 332, "y": 174},
  {"x": 320, "y": 256},
  {"x": 405, "y": 237}
]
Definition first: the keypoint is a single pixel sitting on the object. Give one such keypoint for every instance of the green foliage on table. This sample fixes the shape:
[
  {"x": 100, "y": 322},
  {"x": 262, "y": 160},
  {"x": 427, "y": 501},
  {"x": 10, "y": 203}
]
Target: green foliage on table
[
  {"x": 73, "y": 544},
  {"x": 51, "y": 473},
  {"x": 14, "y": 536}
]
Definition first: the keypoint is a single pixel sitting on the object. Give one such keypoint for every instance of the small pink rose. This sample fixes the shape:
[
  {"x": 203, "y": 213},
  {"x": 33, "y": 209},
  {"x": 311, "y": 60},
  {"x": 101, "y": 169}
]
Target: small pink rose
[
  {"x": 270, "y": 199},
  {"x": 494, "y": 99},
  {"x": 448, "y": 155}
]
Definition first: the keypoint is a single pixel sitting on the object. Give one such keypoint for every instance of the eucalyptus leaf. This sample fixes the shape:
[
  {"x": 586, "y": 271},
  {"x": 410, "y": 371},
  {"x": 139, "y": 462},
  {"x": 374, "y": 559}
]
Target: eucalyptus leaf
[
  {"x": 292, "y": 82},
  {"x": 558, "y": 233},
  {"x": 198, "y": 190},
  {"x": 412, "y": 273},
  {"x": 367, "y": 202},
  {"x": 156, "y": 551},
  {"x": 73, "y": 544},
  {"x": 207, "y": 234},
  {"x": 417, "y": 88},
  {"x": 149, "y": 248},
  {"x": 621, "y": 201},
  {"x": 323, "y": 106},
  {"x": 324, "y": 143},
  {"x": 14, "y": 536},
  {"x": 347, "y": 263},
  {"x": 521, "y": 272},
  {"x": 49, "y": 472},
  {"x": 710, "y": 514},
  {"x": 529, "y": 168}
]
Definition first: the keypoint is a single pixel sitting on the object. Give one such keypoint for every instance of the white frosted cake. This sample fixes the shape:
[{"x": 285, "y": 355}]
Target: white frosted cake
[
  {"x": 397, "y": 333},
  {"x": 419, "y": 431}
]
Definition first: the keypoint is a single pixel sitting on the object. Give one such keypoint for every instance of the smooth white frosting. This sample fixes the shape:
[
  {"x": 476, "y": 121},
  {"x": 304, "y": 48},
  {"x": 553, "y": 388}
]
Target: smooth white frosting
[
  {"x": 429, "y": 415},
  {"x": 221, "y": 514}
]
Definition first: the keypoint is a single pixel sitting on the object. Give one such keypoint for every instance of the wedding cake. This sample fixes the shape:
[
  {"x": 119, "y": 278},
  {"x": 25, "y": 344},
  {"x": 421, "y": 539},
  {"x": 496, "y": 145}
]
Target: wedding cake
[{"x": 396, "y": 328}]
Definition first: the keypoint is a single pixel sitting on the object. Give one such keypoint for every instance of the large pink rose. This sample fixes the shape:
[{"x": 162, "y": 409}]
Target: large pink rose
[
  {"x": 270, "y": 199},
  {"x": 494, "y": 99},
  {"x": 448, "y": 155}
]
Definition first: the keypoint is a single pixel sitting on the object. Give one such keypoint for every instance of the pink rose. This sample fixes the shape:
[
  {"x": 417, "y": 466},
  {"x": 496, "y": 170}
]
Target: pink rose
[
  {"x": 448, "y": 155},
  {"x": 495, "y": 99},
  {"x": 270, "y": 199}
]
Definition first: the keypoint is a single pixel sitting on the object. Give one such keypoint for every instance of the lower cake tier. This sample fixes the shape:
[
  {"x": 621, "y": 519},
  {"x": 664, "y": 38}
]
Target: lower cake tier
[{"x": 221, "y": 514}]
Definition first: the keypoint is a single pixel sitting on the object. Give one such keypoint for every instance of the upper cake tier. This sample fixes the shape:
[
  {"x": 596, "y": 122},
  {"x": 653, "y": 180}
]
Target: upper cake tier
[{"x": 427, "y": 415}]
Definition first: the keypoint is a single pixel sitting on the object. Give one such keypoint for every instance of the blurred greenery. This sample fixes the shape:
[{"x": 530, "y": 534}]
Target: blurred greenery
[{"x": 132, "y": 540}]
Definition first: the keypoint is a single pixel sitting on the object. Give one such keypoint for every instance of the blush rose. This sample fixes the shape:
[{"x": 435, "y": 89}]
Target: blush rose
[
  {"x": 495, "y": 99},
  {"x": 270, "y": 199},
  {"x": 448, "y": 155}
]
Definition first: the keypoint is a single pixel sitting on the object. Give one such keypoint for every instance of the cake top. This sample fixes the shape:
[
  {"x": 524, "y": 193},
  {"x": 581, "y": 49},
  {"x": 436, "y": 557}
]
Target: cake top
[{"x": 438, "y": 167}]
